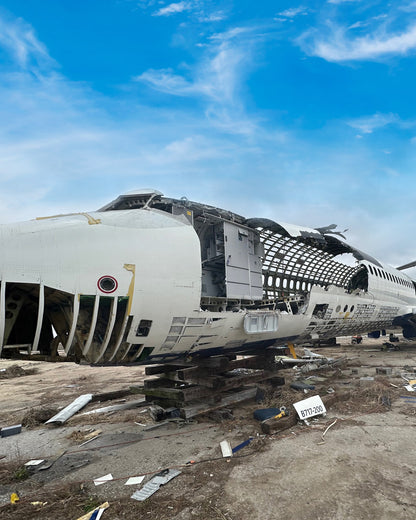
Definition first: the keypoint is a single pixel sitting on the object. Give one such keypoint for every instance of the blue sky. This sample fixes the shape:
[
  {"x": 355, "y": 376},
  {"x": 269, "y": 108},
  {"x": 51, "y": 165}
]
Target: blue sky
[{"x": 303, "y": 113}]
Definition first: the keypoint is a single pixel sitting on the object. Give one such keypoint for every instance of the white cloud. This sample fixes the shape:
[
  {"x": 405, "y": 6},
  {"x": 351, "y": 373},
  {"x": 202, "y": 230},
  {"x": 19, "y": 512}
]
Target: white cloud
[
  {"x": 213, "y": 17},
  {"x": 216, "y": 79},
  {"x": 20, "y": 41},
  {"x": 367, "y": 125},
  {"x": 339, "y": 46},
  {"x": 174, "y": 8},
  {"x": 293, "y": 11}
]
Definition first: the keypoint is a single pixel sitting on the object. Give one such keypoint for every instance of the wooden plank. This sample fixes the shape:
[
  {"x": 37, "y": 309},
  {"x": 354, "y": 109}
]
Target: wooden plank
[
  {"x": 219, "y": 362},
  {"x": 107, "y": 396},
  {"x": 152, "y": 370},
  {"x": 179, "y": 394},
  {"x": 276, "y": 425},
  {"x": 197, "y": 409},
  {"x": 262, "y": 375}
]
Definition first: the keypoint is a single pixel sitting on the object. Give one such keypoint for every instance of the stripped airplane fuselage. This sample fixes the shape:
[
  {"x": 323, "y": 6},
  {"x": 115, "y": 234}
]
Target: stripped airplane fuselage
[{"x": 150, "y": 279}]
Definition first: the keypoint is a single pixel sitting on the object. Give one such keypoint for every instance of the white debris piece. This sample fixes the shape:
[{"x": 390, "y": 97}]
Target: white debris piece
[
  {"x": 134, "y": 480},
  {"x": 34, "y": 462},
  {"x": 103, "y": 480},
  {"x": 226, "y": 449}
]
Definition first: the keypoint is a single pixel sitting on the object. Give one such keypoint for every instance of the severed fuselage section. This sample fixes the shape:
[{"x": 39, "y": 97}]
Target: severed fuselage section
[{"x": 150, "y": 279}]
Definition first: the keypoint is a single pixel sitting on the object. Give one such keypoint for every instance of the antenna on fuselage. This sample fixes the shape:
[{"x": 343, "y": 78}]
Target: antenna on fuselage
[{"x": 406, "y": 266}]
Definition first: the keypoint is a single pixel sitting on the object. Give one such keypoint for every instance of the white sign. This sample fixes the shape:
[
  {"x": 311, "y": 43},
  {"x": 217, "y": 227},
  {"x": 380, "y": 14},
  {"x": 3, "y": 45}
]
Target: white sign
[{"x": 310, "y": 407}]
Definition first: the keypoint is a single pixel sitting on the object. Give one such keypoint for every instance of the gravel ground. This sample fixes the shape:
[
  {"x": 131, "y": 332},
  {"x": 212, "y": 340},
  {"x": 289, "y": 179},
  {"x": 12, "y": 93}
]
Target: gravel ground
[{"x": 362, "y": 468}]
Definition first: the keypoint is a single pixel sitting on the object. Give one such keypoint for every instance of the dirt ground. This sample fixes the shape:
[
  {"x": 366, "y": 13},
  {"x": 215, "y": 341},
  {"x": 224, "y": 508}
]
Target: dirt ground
[{"x": 356, "y": 462}]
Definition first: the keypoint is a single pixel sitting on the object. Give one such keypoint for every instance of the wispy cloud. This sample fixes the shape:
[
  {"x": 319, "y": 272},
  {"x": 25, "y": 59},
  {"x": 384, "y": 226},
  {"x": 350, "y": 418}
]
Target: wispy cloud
[
  {"x": 367, "y": 125},
  {"x": 174, "y": 8},
  {"x": 216, "y": 79},
  {"x": 19, "y": 39},
  {"x": 339, "y": 45},
  {"x": 293, "y": 11}
]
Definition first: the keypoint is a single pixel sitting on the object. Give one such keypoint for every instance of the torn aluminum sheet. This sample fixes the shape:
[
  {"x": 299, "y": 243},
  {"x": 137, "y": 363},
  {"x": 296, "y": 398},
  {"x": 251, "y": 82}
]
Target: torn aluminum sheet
[
  {"x": 309, "y": 354},
  {"x": 118, "y": 407},
  {"x": 71, "y": 409},
  {"x": 153, "y": 485}
]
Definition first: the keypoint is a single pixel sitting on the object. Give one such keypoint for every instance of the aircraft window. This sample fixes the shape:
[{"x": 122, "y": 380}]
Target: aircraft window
[
  {"x": 338, "y": 308},
  {"x": 371, "y": 269},
  {"x": 284, "y": 283},
  {"x": 352, "y": 308},
  {"x": 297, "y": 285},
  {"x": 277, "y": 282},
  {"x": 346, "y": 308},
  {"x": 291, "y": 284},
  {"x": 303, "y": 286}
]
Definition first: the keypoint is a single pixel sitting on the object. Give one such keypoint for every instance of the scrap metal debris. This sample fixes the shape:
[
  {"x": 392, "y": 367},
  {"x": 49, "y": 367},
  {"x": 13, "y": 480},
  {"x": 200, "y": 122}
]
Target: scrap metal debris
[
  {"x": 71, "y": 409},
  {"x": 7, "y": 431},
  {"x": 153, "y": 485}
]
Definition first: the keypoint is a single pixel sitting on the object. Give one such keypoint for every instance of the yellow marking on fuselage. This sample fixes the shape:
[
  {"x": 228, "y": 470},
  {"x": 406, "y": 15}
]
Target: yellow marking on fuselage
[
  {"x": 132, "y": 269},
  {"x": 91, "y": 220}
]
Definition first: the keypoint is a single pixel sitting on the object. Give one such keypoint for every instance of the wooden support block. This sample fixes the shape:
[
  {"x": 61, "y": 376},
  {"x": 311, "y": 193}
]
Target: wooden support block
[
  {"x": 152, "y": 370},
  {"x": 276, "y": 425},
  {"x": 221, "y": 363},
  {"x": 201, "y": 408},
  {"x": 107, "y": 396}
]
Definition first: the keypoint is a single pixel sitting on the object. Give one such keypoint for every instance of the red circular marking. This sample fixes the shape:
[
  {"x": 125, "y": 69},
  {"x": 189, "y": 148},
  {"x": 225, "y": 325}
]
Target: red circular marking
[{"x": 107, "y": 277}]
